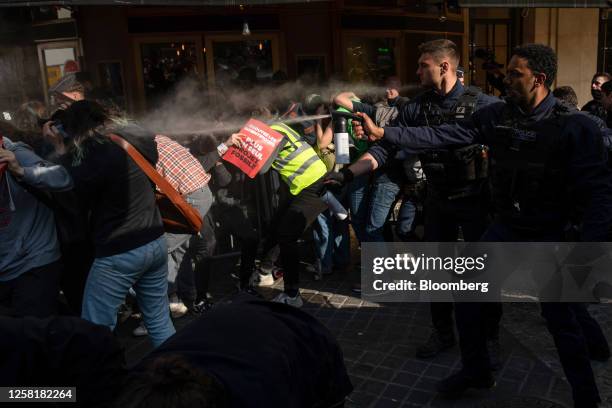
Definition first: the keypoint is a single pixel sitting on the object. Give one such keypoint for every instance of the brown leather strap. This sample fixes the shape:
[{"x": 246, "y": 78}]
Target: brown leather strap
[{"x": 164, "y": 186}]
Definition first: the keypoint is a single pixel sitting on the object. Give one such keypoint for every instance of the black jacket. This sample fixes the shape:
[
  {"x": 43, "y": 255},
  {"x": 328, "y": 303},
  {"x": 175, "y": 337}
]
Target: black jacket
[
  {"x": 288, "y": 359},
  {"x": 588, "y": 176},
  {"x": 119, "y": 196}
]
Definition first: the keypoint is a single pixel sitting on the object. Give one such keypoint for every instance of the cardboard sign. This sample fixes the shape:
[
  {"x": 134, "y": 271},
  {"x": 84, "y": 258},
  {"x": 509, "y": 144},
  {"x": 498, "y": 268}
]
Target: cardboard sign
[{"x": 259, "y": 148}]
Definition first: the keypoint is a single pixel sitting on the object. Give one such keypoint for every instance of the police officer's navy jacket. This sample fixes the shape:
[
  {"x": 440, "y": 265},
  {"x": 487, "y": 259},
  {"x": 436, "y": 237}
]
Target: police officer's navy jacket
[
  {"x": 450, "y": 172},
  {"x": 583, "y": 159},
  {"x": 410, "y": 113}
]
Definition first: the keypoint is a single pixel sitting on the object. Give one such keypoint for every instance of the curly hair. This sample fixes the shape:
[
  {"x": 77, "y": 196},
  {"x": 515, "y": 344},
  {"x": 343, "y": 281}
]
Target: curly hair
[
  {"x": 566, "y": 94},
  {"x": 171, "y": 382},
  {"x": 540, "y": 58}
]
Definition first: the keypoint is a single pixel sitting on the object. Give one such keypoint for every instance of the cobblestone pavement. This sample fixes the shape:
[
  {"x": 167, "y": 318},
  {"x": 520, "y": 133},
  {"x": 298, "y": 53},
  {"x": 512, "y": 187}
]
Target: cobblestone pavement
[{"x": 379, "y": 342}]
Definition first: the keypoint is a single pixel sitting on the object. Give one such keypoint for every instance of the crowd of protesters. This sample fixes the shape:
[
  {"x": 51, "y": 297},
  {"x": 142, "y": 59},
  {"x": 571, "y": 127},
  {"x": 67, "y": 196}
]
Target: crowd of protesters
[{"x": 81, "y": 235}]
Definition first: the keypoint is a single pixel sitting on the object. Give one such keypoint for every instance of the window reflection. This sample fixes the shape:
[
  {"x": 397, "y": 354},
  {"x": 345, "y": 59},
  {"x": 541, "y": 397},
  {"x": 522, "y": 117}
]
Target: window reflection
[
  {"x": 370, "y": 59},
  {"x": 242, "y": 62},
  {"x": 165, "y": 65}
]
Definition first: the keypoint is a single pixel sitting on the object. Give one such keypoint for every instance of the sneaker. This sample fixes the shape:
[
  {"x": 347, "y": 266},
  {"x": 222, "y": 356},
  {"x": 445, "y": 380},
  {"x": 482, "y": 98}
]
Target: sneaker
[
  {"x": 178, "y": 309},
  {"x": 356, "y": 289},
  {"x": 200, "y": 307},
  {"x": 140, "y": 331},
  {"x": 455, "y": 385},
  {"x": 288, "y": 300},
  {"x": 435, "y": 345},
  {"x": 264, "y": 279},
  {"x": 494, "y": 354}
]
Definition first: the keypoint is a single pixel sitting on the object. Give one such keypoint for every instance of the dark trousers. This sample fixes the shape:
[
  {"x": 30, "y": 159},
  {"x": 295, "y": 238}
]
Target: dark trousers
[
  {"x": 220, "y": 221},
  {"x": 33, "y": 293},
  {"x": 294, "y": 215},
  {"x": 443, "y": 218},
  {"x": 572, "y": 328},
  {"x": 203, "y": 248},
  {"x": 77, "y": 258}
]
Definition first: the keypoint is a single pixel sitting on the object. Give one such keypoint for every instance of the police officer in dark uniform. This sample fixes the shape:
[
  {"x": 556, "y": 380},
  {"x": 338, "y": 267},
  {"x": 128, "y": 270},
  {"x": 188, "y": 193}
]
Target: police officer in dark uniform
[
  {"x": 457, "y": 196},
  {"x": 546, "y": 161}
]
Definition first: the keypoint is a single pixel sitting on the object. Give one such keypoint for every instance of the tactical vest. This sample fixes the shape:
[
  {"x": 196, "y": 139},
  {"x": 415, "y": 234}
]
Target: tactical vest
[
  {"x": 455, "y": 172},
  {"x": 297, "y": 162},
  {"x": 528, "y": 176}
]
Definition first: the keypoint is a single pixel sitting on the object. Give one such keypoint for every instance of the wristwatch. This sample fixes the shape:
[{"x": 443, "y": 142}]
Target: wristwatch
[{"x": 221, "y": 149}]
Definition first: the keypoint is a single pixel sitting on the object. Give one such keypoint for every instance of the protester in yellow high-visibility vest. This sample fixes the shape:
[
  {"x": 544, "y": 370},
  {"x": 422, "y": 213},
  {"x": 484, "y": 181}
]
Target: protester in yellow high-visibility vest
[{"x": 302, "y": 172}]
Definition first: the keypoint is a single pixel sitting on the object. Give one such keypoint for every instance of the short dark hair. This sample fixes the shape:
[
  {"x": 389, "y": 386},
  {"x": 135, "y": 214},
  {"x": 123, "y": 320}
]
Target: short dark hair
[
  {"x": 170, "y": 381},
  {"x": 601, "y": 74},
  {"x": 540, "y": 58},
  {"x": 441, "y": 48},
  {"x": 566, "y": 94}
]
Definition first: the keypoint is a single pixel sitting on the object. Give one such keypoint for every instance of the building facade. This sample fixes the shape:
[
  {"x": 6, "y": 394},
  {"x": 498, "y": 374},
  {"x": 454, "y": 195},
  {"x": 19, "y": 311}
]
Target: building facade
[{"x": 138, "y": 53}]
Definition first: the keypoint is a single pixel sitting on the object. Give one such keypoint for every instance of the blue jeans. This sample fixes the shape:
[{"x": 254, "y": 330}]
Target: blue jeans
[
  {"x": 381, "y": 200},
  {"x": 331, "y": 238},
  {"x": 110, "y": 278},
  {"x": 358, "y": 205},
  {"x": 405, "y": 218}
]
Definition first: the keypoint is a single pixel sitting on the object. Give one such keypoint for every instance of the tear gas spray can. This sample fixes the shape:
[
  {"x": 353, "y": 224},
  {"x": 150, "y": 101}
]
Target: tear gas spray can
[{"x": 341, "y": 140}]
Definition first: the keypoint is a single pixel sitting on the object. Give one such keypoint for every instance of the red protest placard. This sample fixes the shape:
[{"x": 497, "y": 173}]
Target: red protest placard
[{"x": 259, "y": 148}]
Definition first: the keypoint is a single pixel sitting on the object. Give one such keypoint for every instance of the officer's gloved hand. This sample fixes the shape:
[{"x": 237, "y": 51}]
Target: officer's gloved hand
[{"x": 339, "y": 179}]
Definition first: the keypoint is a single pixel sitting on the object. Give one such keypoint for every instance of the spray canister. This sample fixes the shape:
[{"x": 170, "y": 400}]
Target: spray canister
[
  {"x": 341, "y": 135},
  {"x": 334, "y": 206},
  {"x": 341, "y": 140}
]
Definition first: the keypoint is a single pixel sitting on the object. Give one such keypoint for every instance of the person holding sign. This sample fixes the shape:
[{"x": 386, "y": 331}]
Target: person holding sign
[{"x": 302, "y": 171}]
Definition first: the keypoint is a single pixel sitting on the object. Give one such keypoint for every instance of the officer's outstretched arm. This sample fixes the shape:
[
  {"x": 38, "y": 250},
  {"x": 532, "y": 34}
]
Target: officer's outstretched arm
[{"x": 417, "y": 139}]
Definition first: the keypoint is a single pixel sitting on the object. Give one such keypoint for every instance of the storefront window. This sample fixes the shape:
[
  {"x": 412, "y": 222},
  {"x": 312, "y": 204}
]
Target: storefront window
[
  {"x": 242, "y": 61},
  {"x": 370, "y": 59},
  {"x": 56, "y": 60},
  {"x": 164, "y": 65}
]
